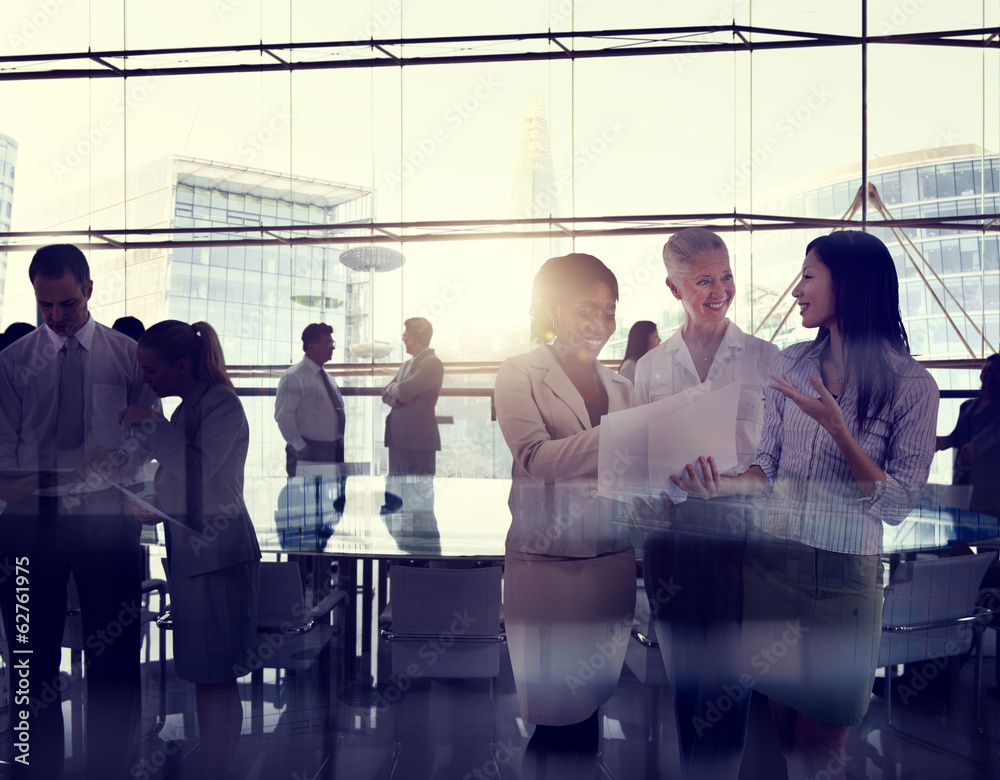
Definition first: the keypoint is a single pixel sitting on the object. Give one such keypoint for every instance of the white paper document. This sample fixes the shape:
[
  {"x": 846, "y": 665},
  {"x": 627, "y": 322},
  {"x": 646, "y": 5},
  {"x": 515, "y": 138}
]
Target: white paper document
[
  {"x": 133, "y": 498},
  {"x": 641, "y": 448}
]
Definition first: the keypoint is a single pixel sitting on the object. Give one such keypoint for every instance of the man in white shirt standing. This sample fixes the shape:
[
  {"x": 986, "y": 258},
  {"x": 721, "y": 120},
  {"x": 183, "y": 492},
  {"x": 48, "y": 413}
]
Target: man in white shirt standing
[
  {"x": 61, "y": 389},
  {"x": 308, "y": 400}
]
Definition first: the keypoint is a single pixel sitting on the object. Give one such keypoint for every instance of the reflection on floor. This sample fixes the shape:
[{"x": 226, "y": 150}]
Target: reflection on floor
[{"x": 295, "y": 729}]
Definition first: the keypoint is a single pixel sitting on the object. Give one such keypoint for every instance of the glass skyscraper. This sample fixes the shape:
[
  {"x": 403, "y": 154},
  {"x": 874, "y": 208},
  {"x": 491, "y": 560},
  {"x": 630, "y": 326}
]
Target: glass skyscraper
[
  {"x": 957, "y": 268},
  {"x": 258, "y": 297},
  {"x": 949, "y": 279}
]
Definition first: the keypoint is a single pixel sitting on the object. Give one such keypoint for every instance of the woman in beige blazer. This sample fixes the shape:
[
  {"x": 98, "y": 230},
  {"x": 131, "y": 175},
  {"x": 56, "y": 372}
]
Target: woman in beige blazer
[{"x": 569, "y": 588}]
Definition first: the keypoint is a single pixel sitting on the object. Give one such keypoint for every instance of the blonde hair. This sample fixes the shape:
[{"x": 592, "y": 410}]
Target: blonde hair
[
  {"x": 686, "y": 246},
  {"x": 198, "y": 343}
]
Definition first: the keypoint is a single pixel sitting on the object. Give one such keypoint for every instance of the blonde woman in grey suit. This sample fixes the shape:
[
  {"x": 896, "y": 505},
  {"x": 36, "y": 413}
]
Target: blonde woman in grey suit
[
  {"x": 569, "y": 588},
  {"x": 212, "y": 550}
]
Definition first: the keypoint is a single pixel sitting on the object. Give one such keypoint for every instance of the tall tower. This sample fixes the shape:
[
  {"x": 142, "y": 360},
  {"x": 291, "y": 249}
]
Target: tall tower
[
  {"x": 8, "y": 160},
  {"x": 536, "y": 191}
]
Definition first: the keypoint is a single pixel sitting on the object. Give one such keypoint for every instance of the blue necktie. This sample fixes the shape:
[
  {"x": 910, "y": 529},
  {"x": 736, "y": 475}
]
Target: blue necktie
[{"x": 336, "y": 399}]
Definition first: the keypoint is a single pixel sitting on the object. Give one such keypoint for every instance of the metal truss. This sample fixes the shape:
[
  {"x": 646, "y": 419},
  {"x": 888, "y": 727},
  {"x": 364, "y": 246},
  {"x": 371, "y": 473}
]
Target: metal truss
[
  {"x": 399, "y": 52},
  {"x": 353, "y": 233},
  {"x": 912, "y": 252}
]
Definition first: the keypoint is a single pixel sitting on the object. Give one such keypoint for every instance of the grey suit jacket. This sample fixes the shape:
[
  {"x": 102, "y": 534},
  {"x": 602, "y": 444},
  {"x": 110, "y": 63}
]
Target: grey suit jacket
[
  {"x": 202, "y": 451},
  {"x": 554, "y": 504},
  {"x": 413, "y": 426}
]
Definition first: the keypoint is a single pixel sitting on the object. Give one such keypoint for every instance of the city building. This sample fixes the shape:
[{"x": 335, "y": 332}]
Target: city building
[
  {"x": 8, "y": 163},
  {"x": 949, "y": 285},
  {"x": 259, "y": 298},
  {"x": 536, "y": 192},
  {"x": 949, "y": 279}
]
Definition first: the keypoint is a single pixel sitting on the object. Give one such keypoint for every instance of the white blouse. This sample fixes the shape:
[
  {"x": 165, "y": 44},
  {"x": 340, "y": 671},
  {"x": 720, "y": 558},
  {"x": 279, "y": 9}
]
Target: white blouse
[{"x": 668, "y": 369}]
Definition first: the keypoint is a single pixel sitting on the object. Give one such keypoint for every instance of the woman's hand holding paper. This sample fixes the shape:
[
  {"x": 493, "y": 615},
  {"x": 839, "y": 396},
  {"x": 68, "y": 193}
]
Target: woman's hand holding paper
[
  {"x": 653, "y": 514},
  {"x": 706, "y": 484}
]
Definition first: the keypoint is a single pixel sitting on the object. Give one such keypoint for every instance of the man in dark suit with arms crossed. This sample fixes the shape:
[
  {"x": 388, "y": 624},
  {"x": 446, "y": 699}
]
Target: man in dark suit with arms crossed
[{"x": 411, "y": 430}]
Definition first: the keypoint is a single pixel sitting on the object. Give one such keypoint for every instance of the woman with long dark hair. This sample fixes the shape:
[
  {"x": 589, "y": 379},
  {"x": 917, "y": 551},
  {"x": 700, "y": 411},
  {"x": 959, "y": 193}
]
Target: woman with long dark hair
[
  {"x": 848, "y": 439},
  {"x": 569, "y": 568},
  {"x": 212, "y": 550},
  {"x": 642, "y": 337}
]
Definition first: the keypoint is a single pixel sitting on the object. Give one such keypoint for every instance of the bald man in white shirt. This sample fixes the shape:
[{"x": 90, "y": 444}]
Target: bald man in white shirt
[{"x": 309, "y": 401}]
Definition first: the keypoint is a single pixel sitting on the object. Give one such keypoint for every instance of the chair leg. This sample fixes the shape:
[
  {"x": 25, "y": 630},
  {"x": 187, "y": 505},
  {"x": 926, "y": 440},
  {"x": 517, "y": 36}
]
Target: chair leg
[
  {"x": 979, "y": 695},
  {"x": 161, "y": 715},
  {"x": 605, "y": 770},
  {"x": 888, "y": 696},
  {"x": 917, "y": 740},
  {"x": 397, "y": 744},
  {"x": 494, "y": 747},
  {"x": 977, "y": 700}
]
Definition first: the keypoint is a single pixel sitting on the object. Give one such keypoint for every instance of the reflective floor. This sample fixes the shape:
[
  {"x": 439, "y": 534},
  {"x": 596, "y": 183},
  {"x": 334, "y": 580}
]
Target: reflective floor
[{"x": 312, "y": 723}]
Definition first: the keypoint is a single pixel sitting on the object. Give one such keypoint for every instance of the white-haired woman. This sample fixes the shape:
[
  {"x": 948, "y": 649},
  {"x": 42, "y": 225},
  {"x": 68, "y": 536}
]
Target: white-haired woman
[{"x": 699, "y": 628}]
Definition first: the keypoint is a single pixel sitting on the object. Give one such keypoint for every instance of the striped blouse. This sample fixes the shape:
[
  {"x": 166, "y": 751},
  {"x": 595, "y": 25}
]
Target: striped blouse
[{"x": 815, "y": 500}]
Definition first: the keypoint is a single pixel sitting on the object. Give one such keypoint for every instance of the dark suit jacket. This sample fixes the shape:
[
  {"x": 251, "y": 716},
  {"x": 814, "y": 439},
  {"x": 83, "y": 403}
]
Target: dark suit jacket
[
  {"x": 412, "y": 425},
  {"x": 202, "y": 451}
]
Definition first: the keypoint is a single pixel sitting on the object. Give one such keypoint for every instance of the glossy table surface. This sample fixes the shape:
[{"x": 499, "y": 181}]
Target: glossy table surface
[
  {"x": 441, "y": 517},
  {"x": 422, "y": 517}
]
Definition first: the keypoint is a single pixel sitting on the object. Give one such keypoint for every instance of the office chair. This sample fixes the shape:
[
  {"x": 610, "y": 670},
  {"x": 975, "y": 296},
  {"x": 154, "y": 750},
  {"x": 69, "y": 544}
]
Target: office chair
[
  {"x": 291, "y": 634},
  {"x": 930, "y": 613},
  {"x": 445, "y": 623}
]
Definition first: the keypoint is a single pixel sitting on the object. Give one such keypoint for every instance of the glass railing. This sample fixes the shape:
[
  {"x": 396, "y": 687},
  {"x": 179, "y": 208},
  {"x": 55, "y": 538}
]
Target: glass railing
[{"x": 471, "y": 442}]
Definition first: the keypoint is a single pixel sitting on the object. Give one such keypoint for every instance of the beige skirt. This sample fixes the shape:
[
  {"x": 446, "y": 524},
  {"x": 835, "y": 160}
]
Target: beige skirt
[{"x": 568, "y": 622}]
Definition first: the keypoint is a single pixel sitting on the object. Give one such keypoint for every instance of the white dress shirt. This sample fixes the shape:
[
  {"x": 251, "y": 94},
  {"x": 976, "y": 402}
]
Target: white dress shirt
[
  {"x": 303, "y": 406},
  {"x": 668, "y": 369},
  {"x": 29, "y": 389},
  {"x": 815, "y": 499}
]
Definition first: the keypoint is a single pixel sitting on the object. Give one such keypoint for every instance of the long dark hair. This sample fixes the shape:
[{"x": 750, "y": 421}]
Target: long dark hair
[
  {"x": 866, "y": 294},
  {"x": 638, "y": 339},
  {"x": 560, "y": 279},
  {"x": 198, "y": 343}
]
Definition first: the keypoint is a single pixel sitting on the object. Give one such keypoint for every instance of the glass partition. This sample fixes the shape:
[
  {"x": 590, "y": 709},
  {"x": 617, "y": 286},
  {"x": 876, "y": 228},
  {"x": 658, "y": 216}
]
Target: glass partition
[{"x": 253, "y": 146}]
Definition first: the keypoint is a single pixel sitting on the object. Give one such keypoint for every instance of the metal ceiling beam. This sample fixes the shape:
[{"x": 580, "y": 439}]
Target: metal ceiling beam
[
  {"x": 464, "y": 230},
  {"x": 651, "y": 42}
]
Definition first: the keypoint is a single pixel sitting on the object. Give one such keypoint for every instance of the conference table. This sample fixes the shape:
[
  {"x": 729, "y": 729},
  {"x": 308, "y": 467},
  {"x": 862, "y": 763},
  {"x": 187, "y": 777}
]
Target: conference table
[
  {"x": 383, "y": 518},
  {"x": 424, "y": 517},
  {"x": 364, "y": 522}
]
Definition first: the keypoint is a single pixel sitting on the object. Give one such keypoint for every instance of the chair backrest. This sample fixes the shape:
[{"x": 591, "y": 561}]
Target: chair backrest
[
  {"x": 443, "y": 619},
  {"x": 928, "y": 591},
  {"x": 280, "y": 601}
]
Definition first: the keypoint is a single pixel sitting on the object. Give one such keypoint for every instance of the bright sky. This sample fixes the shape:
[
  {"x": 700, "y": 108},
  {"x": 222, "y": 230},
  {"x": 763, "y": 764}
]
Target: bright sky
[{"x": 630, "y": 135}]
